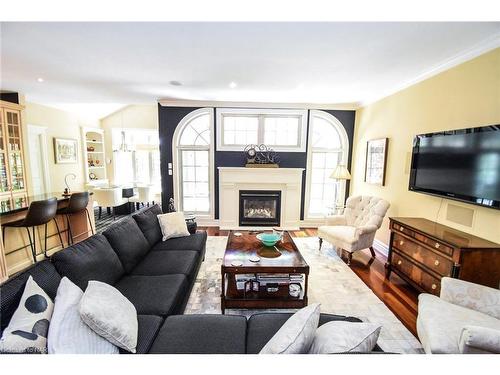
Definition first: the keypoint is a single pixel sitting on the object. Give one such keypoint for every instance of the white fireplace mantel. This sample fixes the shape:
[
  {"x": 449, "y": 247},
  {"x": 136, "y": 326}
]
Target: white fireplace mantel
[{"x": 234, "y": 179}]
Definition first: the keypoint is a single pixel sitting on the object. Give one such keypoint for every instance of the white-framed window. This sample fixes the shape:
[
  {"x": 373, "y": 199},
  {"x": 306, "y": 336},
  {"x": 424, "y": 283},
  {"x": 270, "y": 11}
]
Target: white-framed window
[
  {"x": 328, "y": 147},
  {"x": 139, "y": 165},
  {"x": 192, "y": 147},
  {"x": 280, "y": 129}
]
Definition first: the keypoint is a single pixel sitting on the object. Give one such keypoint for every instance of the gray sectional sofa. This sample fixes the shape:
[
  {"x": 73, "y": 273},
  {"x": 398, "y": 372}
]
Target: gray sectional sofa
[{"x": 157, "y": 277}]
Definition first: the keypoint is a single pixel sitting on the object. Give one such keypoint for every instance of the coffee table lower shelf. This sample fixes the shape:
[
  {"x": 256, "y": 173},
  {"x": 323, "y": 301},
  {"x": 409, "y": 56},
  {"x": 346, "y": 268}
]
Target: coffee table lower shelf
[{"x": 262, "y": 303}]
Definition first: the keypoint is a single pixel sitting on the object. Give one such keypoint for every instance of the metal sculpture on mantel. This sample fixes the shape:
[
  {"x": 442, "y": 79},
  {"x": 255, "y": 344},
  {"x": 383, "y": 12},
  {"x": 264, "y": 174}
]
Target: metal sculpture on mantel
[{"x": 261, "y": 156}]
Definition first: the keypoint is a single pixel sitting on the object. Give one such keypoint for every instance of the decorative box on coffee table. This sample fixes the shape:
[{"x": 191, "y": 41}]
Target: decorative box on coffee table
[{"x": 262, "y": 284}]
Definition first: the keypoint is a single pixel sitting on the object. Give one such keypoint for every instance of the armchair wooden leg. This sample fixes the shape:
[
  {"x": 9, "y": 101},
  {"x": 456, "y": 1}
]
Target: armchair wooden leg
[
  {"x": 372, "y": 251},
  {"x": 320, "y": 243},
  {"x": 349, "y": 258}
]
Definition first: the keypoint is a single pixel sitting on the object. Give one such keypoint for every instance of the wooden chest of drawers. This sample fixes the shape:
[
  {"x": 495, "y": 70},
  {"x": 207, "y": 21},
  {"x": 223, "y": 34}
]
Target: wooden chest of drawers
[{"x": 422, "y": 252}]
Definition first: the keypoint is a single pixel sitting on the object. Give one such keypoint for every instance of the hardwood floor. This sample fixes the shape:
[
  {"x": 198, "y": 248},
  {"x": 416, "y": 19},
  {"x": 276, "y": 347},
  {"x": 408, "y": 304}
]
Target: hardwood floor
[{"x": 398, "y": 296}]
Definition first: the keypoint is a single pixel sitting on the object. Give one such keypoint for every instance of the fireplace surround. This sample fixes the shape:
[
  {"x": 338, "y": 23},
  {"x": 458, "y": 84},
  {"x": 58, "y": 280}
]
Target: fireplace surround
[
  {"x": 259, "y": 208},
  {"x": 232, "y": 180}
]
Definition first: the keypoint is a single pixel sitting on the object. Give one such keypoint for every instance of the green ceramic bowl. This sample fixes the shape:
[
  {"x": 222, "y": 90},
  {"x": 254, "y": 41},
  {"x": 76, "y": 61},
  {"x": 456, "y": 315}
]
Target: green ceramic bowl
[{"x": 269, "y": 239}]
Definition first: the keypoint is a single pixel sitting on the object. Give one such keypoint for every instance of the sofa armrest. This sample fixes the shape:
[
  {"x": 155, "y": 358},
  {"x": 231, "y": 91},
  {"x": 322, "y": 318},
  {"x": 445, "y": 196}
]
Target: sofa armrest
[
  {"x": 475, "y": 339},
  {"x": 366, "y": 229},
  {"x": 473, "y": 296},
  {"x": 336, "y": 220}
]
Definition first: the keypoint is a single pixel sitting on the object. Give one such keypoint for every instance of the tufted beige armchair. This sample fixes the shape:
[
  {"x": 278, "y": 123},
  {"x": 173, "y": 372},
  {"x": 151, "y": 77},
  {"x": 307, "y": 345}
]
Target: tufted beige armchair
[{"x": 355, "y": 230}]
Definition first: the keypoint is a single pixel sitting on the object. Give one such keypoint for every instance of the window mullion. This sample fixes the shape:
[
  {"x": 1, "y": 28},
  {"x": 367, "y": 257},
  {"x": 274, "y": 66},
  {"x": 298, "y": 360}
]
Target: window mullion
[{"x": 260, "y": 130}]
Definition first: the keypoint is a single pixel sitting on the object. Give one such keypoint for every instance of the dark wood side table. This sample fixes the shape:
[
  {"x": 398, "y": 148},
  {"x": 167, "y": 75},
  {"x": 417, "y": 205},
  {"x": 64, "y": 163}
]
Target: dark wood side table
[
  {"x": 422, "y": 251},
  {"x": 285, "y": 259}
]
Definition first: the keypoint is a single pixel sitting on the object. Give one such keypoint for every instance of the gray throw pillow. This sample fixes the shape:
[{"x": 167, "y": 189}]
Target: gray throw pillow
[
  {"x": 110, "y": 314},
  {"x": 68, "y": 334},
  {"x": 345, "y": 337},
  {"x": 28, "y": 328},
  {"x": 297, "y": 334}
]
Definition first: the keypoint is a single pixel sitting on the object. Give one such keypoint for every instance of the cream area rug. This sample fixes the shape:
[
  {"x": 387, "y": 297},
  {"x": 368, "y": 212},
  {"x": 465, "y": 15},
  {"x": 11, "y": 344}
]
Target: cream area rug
[{"x": 331, "y": 283}]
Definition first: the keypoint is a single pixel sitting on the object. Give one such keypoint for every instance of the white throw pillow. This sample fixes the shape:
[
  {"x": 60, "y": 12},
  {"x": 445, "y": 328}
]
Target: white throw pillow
[
  {"x": 110, "y": 314},
  {"x": 297, "y": 334},
  {"x": 28, "y": 328},
  {"x": 68, "y": 334},
  {"x": 173, "y": 225},
  {"x": 345, "y": 337}
]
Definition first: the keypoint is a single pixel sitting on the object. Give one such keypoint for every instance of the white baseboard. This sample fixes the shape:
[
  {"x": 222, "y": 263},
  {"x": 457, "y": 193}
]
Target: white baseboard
[{"x": 381, "y": 247}]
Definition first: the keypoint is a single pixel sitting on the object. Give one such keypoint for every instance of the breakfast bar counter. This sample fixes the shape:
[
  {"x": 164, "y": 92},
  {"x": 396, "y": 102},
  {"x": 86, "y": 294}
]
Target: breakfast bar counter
[{"x": 15, "y": 252}]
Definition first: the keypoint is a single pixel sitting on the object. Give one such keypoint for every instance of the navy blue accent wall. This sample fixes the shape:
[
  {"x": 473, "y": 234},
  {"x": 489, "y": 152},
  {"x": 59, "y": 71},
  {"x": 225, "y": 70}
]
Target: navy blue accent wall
[
  {"x": 347, "y": 119},
  {"x": 169, "y": 118}
]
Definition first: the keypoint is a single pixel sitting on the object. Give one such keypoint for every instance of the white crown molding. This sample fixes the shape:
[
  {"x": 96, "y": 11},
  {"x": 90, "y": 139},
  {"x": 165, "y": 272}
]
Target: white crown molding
[
  {"x": 229, "y": 104},
  {"x": 477, "y": 50}
]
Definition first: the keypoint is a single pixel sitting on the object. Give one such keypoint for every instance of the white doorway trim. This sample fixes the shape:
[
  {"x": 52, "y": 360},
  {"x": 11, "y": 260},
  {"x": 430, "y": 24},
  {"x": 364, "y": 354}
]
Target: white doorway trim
[{"x": 41, "y": 132}]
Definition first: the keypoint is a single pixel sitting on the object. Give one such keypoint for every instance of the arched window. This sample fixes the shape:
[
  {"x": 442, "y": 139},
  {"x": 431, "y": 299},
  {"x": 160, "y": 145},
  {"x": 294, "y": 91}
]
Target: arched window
[
  {"x": 192, "y": 148},
  {"x": 328, "y": 147}
]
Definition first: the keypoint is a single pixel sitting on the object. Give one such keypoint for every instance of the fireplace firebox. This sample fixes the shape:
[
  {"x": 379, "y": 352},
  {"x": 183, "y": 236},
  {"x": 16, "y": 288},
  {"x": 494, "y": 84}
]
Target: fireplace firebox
[{"x": 260, "y": 207}]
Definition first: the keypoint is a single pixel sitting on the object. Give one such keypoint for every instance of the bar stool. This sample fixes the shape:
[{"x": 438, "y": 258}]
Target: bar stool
[
  {"x": 39, "y": 213},
  {"x": 77, "y": 203}
]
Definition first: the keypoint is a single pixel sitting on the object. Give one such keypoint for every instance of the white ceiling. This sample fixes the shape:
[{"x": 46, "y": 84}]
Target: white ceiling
[{"x": 329, "y": 63}]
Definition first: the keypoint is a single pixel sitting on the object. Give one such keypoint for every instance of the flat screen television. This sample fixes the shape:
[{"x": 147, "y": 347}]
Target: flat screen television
[{"x": 458, "y": 164}]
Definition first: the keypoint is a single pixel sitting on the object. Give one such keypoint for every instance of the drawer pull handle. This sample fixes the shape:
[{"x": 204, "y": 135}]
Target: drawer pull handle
[
  {"x": 401, "y": 243},
  {"x": 433, "y": 286},
  {"x": 436, "y": 262},
  {"x": 399, "y": 262},
  {"x": 436, "y": 245}
]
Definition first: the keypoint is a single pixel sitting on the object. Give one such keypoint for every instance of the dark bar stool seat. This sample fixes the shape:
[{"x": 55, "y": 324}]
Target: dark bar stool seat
[
  {"x": 39, "y": 213},
  {"x": 77, "y": 203}
]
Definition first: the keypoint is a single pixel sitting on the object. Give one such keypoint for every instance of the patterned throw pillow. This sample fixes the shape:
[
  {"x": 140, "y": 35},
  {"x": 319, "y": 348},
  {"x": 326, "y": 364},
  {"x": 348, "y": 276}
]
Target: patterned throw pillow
[{"x": 27, "y": 330}]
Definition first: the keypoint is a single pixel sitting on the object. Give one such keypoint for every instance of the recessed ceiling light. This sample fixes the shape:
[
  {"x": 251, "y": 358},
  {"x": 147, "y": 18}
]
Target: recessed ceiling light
[
  {"x": 175, "y": 83},
  {"x": 40, "y": 80},
  {"x": 233, "y": 85}
]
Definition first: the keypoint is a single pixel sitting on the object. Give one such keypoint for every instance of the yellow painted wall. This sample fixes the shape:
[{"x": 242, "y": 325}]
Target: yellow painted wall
[
  {"x": 467, "y": 95},
  {"x": 59, "y": 124},
  {"x": 141, "y": 116}
]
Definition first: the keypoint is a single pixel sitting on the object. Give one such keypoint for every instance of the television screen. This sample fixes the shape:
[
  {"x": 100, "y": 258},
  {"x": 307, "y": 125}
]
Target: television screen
[{"x": 459, "y": 164}]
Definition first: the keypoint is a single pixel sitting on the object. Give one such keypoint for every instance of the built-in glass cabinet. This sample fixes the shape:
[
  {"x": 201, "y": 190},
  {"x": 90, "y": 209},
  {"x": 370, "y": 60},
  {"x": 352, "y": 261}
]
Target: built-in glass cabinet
[{"x": 13, "y": 190}]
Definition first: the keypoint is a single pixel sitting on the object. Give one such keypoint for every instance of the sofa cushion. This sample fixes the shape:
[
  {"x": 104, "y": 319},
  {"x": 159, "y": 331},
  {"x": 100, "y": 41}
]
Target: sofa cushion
[
  {"x": 168, "y": 263},
  {"x": 440, "y": 323},
  {"x": 154, "y": 295},
  {"x": 262, "y": 327},
  {"x": 195, "y": 242},
  {"x": 128, "y": 241},
  {"x": 201, "y": 334},
  {"x": 44, "y": 274},
  {"x": 147, "y": 220},
  {"x": 92, "y": 259},
  {"x": 149, "y": 325}
]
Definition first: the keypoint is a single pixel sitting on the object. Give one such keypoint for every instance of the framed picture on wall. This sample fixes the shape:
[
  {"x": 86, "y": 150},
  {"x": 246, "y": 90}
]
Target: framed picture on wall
[
  {"x": 376, "y": 160},
  {"x": 65, "y": 150}
]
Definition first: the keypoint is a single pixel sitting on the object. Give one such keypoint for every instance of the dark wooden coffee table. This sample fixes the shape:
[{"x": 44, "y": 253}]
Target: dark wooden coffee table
[{"x": 275, "y": 262}]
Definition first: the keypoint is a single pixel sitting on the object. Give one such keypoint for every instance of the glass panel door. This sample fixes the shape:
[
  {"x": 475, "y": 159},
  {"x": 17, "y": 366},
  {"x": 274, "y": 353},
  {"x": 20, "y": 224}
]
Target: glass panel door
[
  {"x": 4, "y": 184},
  {"x": 14, "y": 149},
  {"x": 5, "y": 203}
]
